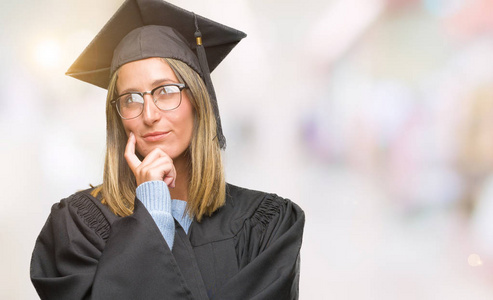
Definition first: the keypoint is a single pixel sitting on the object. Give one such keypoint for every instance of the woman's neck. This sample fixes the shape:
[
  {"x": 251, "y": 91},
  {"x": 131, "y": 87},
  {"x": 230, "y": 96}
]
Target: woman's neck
[{"x": 180, "y": 191}]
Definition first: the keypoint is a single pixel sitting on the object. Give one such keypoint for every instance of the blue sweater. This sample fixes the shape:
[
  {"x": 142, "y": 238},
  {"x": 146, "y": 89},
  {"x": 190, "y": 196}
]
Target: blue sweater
[{"x": 156, "y": 198}]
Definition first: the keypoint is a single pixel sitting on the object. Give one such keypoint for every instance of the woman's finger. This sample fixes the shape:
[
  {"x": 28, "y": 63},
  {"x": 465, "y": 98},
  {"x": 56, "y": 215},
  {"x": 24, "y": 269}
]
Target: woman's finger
[
  {"x": 160, "y": 168},
  {"x": 157, "y": 165},
  {"x": 170, "y": 180},
  {"x": 155, "y": 154},
  {"x": 132, "y": 159},
  {"x": 170, "y": 177}
]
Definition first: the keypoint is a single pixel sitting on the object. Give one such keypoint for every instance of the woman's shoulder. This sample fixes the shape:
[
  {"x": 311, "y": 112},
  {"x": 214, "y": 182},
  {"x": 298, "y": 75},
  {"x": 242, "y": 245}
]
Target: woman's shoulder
[
  {"x": 244, "y": 208},
  {"x": 85, "y": 211},
  {"x": 247, "y": 202},
  {"x": 81, "y": 201}
]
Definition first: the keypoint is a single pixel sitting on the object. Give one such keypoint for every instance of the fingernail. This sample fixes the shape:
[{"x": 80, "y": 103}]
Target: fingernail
[{"x": 131, "y": 134}]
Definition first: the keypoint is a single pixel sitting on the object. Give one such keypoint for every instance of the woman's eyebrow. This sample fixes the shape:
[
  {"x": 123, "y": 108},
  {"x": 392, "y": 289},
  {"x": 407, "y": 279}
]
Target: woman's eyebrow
[
  {"x": 159, "y": 82},
  {"x": 154, "y": 84}
]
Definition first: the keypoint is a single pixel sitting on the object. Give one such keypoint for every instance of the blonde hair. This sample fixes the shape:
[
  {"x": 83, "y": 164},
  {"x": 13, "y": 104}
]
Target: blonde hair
[{"x": 206, "y": 187}]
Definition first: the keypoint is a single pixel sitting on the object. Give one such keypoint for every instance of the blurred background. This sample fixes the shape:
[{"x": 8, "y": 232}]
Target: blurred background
[{"x": 375, "y": 116}]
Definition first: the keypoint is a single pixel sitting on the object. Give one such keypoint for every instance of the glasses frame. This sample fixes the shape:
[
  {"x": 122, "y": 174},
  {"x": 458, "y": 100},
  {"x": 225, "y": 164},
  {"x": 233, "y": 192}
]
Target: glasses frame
[{"x": 181, "y": 87}]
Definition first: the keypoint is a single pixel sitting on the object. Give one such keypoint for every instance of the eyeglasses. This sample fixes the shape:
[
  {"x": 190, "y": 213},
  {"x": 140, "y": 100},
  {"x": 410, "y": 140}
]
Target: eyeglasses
[{"x": 166, "y": 97}]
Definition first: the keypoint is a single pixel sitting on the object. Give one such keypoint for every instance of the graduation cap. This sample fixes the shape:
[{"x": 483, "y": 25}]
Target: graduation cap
[{"x": 155, "y": 28}]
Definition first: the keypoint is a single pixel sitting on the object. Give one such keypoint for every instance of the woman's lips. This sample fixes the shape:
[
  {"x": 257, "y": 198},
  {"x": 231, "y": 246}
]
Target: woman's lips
[{"x": 155, "y": 136}]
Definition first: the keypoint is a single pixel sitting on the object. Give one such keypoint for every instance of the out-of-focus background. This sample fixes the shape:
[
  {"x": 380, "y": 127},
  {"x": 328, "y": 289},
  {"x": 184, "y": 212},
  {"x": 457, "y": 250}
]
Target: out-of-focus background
[{"x": 375, "y": 116}]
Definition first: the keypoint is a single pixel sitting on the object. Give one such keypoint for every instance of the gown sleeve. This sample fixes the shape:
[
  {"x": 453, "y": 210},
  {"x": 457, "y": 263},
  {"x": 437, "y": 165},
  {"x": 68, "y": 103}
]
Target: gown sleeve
[
  {"x": 66, "y": 253},
  {"x": 268, "y": 248}
]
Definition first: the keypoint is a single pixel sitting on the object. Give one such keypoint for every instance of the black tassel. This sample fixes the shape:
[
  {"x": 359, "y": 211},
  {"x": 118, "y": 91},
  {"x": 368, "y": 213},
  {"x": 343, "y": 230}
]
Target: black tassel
[{"x": 204, "y": 65}]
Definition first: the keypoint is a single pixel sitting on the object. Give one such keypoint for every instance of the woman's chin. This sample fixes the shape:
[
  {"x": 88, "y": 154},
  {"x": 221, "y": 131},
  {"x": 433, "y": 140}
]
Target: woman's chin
[{"x": 144, "y": 151}]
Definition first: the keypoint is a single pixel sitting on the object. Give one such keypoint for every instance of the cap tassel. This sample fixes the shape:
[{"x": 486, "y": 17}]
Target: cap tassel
[{"x": 204, "y": 65}]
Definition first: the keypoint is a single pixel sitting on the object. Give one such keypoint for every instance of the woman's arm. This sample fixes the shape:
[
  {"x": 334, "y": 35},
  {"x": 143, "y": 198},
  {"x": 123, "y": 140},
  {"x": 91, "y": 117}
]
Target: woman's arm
[{"x": 155, "y": 197}]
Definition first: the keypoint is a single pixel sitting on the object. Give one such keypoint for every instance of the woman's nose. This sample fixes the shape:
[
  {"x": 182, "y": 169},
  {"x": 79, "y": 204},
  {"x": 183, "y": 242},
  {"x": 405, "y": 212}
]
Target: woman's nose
[{"x": 151, "y": 113}]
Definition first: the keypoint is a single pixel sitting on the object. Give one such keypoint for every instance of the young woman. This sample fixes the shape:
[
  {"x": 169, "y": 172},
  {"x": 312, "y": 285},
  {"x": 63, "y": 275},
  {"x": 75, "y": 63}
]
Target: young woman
[{"x": 164, "y": 224}]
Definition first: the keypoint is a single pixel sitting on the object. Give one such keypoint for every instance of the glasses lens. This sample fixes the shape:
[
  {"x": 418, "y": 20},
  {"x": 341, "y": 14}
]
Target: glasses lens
[
  {"x": 167, "y": 97},
  {"x": 130, "y": 105}
]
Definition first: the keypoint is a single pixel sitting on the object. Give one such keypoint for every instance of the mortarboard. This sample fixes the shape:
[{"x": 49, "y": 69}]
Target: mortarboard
[{"x": 155, "y": 28}]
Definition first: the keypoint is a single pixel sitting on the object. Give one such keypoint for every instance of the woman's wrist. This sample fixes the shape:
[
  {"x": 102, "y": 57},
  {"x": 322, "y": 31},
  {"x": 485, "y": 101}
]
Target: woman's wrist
[{"x": 154, "y": 195}]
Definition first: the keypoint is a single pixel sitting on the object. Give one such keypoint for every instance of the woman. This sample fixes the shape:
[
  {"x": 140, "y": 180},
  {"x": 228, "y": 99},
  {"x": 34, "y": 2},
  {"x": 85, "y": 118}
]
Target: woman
[{"x": 127, "y": 239}]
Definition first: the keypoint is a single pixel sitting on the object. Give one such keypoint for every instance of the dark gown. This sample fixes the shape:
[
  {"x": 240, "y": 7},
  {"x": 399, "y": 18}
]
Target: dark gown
[{"x": 248, "y": 249}]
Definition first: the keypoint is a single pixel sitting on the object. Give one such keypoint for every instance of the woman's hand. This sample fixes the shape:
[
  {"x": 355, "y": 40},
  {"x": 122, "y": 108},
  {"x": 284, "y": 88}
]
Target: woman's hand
[{"x": 157, "y": 165}]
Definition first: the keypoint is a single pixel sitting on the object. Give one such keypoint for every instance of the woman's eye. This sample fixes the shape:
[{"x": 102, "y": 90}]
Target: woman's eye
[
  {"x": 130, "y": 99},
  {"x": 163, "y": 91}
]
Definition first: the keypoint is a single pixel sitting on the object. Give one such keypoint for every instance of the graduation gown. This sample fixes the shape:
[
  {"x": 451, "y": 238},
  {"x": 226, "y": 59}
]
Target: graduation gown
[{"x": 248, "y": 249}]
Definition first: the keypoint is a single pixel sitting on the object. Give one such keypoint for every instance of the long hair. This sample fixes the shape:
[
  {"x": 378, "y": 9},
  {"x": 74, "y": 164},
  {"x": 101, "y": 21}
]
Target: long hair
[{"x": 206, "y": 187}]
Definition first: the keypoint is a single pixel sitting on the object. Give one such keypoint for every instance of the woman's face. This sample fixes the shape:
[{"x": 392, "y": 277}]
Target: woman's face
[{"x": 169, "y": 130}]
